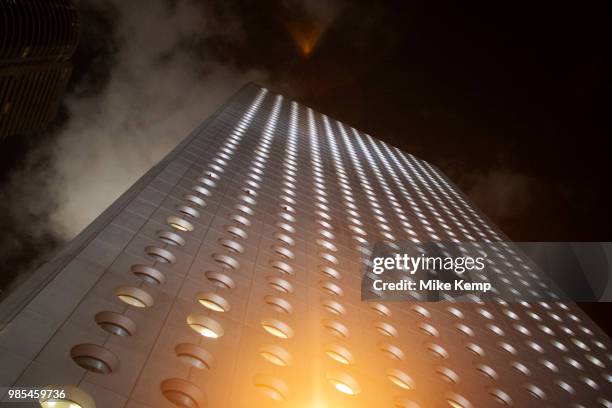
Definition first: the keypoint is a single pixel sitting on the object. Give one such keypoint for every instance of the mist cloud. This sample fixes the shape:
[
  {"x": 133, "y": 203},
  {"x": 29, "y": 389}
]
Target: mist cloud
[{"x": 161, "y": 87}]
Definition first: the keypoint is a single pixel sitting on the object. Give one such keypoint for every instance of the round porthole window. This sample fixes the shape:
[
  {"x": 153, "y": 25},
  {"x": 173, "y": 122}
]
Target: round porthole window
[
  {"x": 194, "y": 356},
  {"x": 188, "y": 211},
  {"x": 457, "y": 401},
  {"x": 194, "y": 200},
  {"x": 214, "y": 302},
  {"x": 335, "y": 328},
  {"x": 160, "y": 255},
  {"x": 343, "y": 383},
  {"x": 206, "y": 326},
  {"x": 171, "y": 238},
  {"x": 272, "y": 387},
  {"x": 278, "y": 304},
  {"x": 392, "y": 351},
  {"x": 279, "y": 284},
  {"x": 182, "y": 393},
  {"x": 333, "y": 307},
  {"x": 220, "y": 280},
  {"x": 401, "y": 379},
  {"x": 66, "y": 396},
  {"x": 275, "y": 355},
  {"x": 339, "y": 354},
  {"x": 116, "y": 323},
  {"x": 179, "y": 224},
  {"x": 277, "y": 328},
  {"x": 94, "y": 358},
  {"x": 148, "y": 274},
  {"x": 282, "y": 267},
  {"x": 134, "y": 296}
]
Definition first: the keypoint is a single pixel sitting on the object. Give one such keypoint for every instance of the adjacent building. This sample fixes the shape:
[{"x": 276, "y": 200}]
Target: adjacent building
[
  {"x": 37, "y": 40},
  {"x": 229, "y": 275}
]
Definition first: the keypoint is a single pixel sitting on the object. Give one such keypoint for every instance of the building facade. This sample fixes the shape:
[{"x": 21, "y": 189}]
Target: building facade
[
  {"x": 37, "y": 41},
  {"x": 229, "y": 275}
]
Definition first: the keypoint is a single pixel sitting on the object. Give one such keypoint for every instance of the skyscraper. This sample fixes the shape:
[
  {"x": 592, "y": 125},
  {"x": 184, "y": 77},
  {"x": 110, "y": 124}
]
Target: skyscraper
[
  {"x": 38, "y": 39},
  {"x": 229, "y": 276}
]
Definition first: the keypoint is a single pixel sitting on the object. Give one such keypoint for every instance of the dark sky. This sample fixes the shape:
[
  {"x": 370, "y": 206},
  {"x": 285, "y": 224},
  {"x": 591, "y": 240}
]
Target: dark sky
[{"x": 511, "y": 99}]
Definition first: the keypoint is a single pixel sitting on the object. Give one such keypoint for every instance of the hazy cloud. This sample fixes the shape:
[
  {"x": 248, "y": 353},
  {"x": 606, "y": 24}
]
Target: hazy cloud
[{"x": 161, "y": 87}]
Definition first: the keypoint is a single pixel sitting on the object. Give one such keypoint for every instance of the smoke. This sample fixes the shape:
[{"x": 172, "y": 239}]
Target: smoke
[
  {"x": 162, "y": 85},
  {"x": 158, "y": 82}
]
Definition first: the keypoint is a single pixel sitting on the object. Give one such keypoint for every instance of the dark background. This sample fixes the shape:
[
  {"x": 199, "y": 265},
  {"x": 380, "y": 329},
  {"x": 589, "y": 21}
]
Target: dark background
[{"x": 511, "y": 100}]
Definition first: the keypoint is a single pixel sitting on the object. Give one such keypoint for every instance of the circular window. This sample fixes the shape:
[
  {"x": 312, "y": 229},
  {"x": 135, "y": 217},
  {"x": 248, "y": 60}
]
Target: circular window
[
  {"x": 447, "y": 374},
  {"x": 220, "y": 280},
  {"x": 429, "y": 330},
  {"x": 134, "y": 296},
  {"x": 401, "y": 379},
  {"x": 457, "y": 401},
  {"x": 249, "y": 200},
  {"x": 73, "y": 398},
  {"x": 279, "y": 284},
  {"x": 282, "y": 267},
  {"x": 437, "y": 350},
  {"x": 116, "y": 323},
  {"x": 343, "y": 383},
  {"x": 206, "y": 326},
  {"x": 226, "y": 261},
  {"x": 194, "y": 356},
  {"x": 520, "y": 367},
  {"x": 500, "y": 396},
  {"x": 462, "y": 328},
  {"x": 201, "y": 190},
  {"x": 286, "y": 239},
  {"x": 179, "y": 224},
  {"x": 283, "y": 252},
  {"x": 386, "y": 329},
  {"x": 194, "y": 200},
  {"x": 285, "y": 227},
  {"x": 330, "y": 272},
  {"x": 148, "y": 274},
  {"x": 278, "y": 304},
  {"x": 214, "y": 302},
  {"x": 277, "y": 328},
  {"x": 232, "y": 246},
  {"x": 244, "y": 209},
  {"x": 333, "y": 307},
  {"x": 160, "y": 254},
  {"x": 182, "y": 393},
  {"x": 236, "y": 232},
  {"x": 239, "y": 219},
  {"x": 206, "y": 181},
  {"x": 336, "y": 328},
  {"x": 275, "y": 355},
  {"x": 535, "y": 391},
  {"x": 188, "y": 211},
  {"x": 329, "y": 258},
  {"x": 272, "y": 387},
  {"x": 327, "y": 245},
  {"x": 380, "y": 309},
  {"x": 94, "y": 358},
  {"x": 339, "y": 354},
  {"x": 332, "y": 288},
  {"x": 392, "y": 351},
  {"x": 487, "y": 371},
  {"x": 171, "y": 238}
]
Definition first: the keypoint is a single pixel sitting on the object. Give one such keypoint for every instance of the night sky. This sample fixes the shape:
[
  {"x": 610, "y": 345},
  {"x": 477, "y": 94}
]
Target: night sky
[{"x": 511, "y": 100}]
